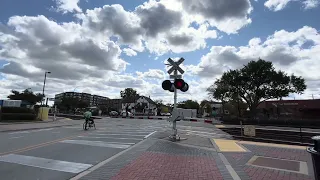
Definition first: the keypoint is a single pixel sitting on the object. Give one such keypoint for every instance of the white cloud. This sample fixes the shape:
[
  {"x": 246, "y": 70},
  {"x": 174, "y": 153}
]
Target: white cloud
[
  {"x": 86, "y": 54},
  {"x": 277, "y": 5},
  {"x": 164, "y": 27},
  {"x": 309, "y": 4},
  {"x": 66, "y": 6},
  {"x": 129, "y": 52},
  {"x": 152, "y": 73},
  {"x": 295, "y": 52}
]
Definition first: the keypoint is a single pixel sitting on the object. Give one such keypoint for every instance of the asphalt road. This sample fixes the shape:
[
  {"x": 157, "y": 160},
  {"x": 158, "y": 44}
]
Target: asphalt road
[{"x": 63, "y": 152}]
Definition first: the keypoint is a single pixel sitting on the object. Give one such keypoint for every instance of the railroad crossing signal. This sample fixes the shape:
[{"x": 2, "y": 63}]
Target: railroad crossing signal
[
  {"x": 178, "y": 83},
  {"x": 175, "y": 66}
]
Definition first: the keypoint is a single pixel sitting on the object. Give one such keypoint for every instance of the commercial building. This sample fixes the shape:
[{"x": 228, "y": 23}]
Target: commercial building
[
  {"x": 92, "y": 100},
  {"x": 293, "y": 109}
]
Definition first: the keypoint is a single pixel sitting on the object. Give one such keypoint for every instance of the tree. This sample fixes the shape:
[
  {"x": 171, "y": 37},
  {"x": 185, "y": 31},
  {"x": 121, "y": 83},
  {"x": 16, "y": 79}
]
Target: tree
[
  {"x": 128, "y": 92},
  {"x": 69, "y": 103},
  {"x": 203, "y": 103},
  {"x": 189, "y": 104},
  {"x": 26, "y": 95},
  {"x": 256, "y": 81},
  {"x": 82, "y": 104}
]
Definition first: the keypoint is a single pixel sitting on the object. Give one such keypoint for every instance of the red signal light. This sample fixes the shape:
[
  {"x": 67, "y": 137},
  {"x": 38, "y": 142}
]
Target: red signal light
[{"x": 179, "y": 83}]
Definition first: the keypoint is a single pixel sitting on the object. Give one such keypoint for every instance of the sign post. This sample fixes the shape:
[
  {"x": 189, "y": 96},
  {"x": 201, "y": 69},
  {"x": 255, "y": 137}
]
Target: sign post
[{"x": 174, "y": 69}]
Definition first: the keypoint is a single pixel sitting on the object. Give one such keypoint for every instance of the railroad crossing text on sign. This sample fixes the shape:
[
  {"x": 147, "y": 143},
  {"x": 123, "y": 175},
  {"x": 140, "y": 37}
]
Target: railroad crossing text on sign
[{"x": 175, "y": 65}]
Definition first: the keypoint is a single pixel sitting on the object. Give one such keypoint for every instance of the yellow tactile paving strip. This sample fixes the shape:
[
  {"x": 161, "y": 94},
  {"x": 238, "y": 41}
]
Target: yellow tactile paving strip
[
  {"x": 228, "y": 145},
  {"x": 272, "y": 145},
  {"x": 220, "y": 126}
]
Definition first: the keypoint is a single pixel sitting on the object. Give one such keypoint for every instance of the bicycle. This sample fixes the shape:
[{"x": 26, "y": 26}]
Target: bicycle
[{"x": 89, "y": 124}]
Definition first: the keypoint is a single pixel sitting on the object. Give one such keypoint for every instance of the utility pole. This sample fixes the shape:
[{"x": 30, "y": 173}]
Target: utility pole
[{"x": 44, "y": 85}]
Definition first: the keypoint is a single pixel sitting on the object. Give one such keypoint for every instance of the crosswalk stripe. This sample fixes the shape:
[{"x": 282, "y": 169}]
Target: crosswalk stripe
[
  {"x": 44, "y": 163},
  {"x": 97, "y": 143},
  {"x": 117, "y": 135},
  {"x": 104, "y": 137},
  {"x": 122, "y": 132}
]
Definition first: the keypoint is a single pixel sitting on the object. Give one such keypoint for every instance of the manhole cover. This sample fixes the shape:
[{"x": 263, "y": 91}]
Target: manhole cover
[{"x": 280, "y": 164}]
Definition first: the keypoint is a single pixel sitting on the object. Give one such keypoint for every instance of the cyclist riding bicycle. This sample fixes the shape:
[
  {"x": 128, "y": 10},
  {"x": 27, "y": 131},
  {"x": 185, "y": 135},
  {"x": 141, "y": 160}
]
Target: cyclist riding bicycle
[{"x": 88, "y": 115}]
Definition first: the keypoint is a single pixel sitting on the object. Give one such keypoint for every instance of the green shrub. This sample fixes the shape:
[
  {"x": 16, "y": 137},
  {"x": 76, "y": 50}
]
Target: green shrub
[{"x": 18, "y": 116}]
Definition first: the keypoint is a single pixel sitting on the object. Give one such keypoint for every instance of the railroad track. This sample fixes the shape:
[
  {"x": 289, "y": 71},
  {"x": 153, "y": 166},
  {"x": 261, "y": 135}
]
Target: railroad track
[{"x": 275, "y": 136}]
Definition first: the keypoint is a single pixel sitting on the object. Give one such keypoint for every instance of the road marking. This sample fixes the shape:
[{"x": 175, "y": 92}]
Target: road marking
[
  {"x": 219, "y": 126},
  {"x": 97, "y": 143},
  {"x": 20, "y": 132},
  {"x": 117, "y": 135},
  {"x": 110, "y": 138},
  {"x": 26, "y": 132},
  {"x": 16, "y": 137},
  {"x": 149, "y": 134},
  {"x": 39, "y": 145},
  {"x": 132, "y": 132},
  {"x": 228, "y": 146},
  {"x": 44, "y": 163}
]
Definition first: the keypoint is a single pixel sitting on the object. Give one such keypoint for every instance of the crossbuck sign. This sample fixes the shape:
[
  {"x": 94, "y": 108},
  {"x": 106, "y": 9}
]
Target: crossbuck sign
[{"x": 175, "y": 66}]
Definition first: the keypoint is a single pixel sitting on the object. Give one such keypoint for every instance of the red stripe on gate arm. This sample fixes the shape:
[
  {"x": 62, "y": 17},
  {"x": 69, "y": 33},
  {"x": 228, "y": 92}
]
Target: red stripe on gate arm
[
  {"x": 194, "y": 120},
  {"x": 208, "y": 121}
]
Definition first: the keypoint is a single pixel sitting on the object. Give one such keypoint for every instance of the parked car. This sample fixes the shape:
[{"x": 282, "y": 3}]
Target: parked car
[
  {"x": 124, "y": 114},
  {"x": 165, "y": 114},
  {"x": 113, "y": 113}
]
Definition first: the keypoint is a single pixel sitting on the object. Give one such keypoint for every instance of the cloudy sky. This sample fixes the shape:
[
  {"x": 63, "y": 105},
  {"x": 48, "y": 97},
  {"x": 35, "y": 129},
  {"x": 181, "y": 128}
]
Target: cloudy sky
[{"x": 104, "y": 46}]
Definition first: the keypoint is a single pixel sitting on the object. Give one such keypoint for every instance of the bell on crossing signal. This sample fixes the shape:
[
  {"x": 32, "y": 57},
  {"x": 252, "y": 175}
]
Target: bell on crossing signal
[
  {"x": 167, "y": 85},
  {"x": 185, "y": 87}
]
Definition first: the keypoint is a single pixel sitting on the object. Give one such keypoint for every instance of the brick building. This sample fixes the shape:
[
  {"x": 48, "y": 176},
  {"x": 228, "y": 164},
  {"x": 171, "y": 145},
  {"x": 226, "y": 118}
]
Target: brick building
[{"x": 295, "y": 109}]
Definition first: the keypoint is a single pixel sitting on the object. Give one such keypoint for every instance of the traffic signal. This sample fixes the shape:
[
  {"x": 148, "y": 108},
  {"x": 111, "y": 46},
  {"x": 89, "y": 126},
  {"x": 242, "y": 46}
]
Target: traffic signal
[
  {"x": 180, "y": 84},
  {"x": 166, "y": 85}
]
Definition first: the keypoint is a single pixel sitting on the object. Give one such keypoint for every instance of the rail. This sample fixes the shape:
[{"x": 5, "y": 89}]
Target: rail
[{"x": 275, "y": 135}]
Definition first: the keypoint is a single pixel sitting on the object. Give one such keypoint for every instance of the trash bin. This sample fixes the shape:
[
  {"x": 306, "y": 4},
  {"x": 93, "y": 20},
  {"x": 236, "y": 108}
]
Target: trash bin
[{"x": 315, "y": 153}]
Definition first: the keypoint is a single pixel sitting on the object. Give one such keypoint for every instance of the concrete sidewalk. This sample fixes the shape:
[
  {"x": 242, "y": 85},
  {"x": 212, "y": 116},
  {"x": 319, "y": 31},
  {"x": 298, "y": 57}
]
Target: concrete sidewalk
[
  {"x": 5, "y": 127},
  {"x": 198, "y": 158}
]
